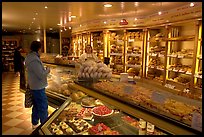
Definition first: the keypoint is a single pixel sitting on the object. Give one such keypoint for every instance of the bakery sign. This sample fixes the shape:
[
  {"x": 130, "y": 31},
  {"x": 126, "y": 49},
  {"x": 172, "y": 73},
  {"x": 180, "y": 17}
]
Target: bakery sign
[{"x": 123, "y": 22}]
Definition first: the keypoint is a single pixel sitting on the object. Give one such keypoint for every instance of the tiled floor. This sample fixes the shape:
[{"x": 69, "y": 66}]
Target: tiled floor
[{"x": 16, "y": 119}]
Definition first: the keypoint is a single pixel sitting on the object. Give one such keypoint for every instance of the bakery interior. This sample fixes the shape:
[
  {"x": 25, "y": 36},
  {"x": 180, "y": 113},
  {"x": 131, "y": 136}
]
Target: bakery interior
[{"x": 149, "y": 80}]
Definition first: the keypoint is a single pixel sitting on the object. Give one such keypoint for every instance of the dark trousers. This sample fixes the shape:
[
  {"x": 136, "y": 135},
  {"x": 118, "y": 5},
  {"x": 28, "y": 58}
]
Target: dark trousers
[{"x": 40, "y": 106}]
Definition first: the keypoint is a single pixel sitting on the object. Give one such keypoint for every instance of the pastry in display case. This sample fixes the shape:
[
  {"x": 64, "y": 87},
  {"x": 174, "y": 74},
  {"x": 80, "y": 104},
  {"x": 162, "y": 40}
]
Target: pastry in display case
[
  {"x": 92, "y": 70},
  {"x": 134, "y": 52},
  {"x": 117, "y": 51},
  {"x": 98, "y": 44},
  {"x": 156, "y": 55},
  {"x": 72, "y": 118}
]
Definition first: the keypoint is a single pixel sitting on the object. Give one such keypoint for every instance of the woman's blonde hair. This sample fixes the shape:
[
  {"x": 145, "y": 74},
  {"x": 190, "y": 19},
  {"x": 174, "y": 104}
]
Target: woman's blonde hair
[{"x": 87, "y": 47}]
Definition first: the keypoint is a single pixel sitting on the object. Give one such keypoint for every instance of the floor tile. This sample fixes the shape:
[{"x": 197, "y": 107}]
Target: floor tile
[
  {"x": 14, "y": 114},
  {"x": 23, "y": 116},
  {"x": 13, "y": 122},
  {"x": 13, "y": 131},
  {"x": 25, "y": 125},
  {"x": 5, "y": 128},
  {"x": 13, "y": 108}
]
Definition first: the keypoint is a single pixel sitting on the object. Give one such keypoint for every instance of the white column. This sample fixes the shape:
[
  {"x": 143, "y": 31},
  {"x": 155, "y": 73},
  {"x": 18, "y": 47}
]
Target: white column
[{"x": 45, "y": 50}]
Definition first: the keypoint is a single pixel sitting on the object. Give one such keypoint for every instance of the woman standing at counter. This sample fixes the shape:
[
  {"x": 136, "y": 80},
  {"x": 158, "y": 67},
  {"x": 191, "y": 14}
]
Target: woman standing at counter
[
  {"x": 88, "y": 55},
  {"x": 37, "y": 81}
]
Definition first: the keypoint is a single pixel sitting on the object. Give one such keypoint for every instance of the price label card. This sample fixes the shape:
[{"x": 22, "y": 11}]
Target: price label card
[
  {"x": 158, "y": 97},
  {"x": 197, "y": 121},
  {"x": 128, "y": 89}
]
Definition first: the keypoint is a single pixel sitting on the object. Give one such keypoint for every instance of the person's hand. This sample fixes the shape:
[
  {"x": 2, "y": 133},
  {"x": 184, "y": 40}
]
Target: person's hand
[{"x": 48, "y": 69}]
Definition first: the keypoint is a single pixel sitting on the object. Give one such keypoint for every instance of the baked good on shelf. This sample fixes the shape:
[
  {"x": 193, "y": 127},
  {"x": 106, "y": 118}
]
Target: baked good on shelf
[
  {"x": 69, "y": 131},
  {"x": 88, "y": 102}
]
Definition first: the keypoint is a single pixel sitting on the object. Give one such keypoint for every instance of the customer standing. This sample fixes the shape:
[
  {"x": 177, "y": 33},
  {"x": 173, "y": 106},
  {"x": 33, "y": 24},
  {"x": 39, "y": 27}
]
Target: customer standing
[
  {"x": 17, "y": 60},
  {"x": 37, "y": 80}
]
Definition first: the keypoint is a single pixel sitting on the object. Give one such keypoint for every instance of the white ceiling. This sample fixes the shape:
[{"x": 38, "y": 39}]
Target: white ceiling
[{"x": 19, "y": 15}]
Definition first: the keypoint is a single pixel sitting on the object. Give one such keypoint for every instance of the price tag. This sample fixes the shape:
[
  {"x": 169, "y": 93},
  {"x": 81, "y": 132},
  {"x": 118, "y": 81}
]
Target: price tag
[
  {"x": 158, "y": 97},
  {"x": 128, "y": 89},
  {"x": 180, "y": 56},
  {"x": 150, "y": 127},
  {"x": 197, "y": 121}
]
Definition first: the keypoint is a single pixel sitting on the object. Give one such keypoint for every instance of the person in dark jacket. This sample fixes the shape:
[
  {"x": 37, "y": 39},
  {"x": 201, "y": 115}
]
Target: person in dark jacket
[
  {"x": 37, "y": 81},
  {"x": 17, "y": 60}
]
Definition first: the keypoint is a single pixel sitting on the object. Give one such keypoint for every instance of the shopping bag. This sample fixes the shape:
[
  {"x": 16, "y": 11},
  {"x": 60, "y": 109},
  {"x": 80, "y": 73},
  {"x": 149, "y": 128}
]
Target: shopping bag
[{"x": 28, "y": 98}]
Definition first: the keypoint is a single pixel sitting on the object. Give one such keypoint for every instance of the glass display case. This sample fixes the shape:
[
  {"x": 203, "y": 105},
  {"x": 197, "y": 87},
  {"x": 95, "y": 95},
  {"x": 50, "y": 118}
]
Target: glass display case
[
  {"x": 180, "y": 55},
  {"x": 155, "y": 58},
  {"x": 86, "y": 115},
  {"x": 97, "y": 43},
  {"x": 116, "y": 42},
  {"x": 113, "y": 107},
  {"x": 198, "y": 68},
  {"x": 134, "y": 53}
]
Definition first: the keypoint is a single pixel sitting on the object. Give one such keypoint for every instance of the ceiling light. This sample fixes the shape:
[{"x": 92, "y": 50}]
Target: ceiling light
[
  {"x": 45, "y": 7},
  {"x": 36, "y": 13},
  {"x": 73, "y": 16},
  {"x": 135, "y": 18},
  {"x": 107, "y": 5},
  {"x": 191, "y": 4},
  {"x": 70, "y": 27},
  {"x": 104, "y": 22},
  {"x": 33, "y": 18},
  {"x": 61, "y": 30},
  {"x": 159, "y": 12},
  {"x": 59, "y": 24},
  {"x": 51, "y": 29},
  {"x": 80, "y": 25}
]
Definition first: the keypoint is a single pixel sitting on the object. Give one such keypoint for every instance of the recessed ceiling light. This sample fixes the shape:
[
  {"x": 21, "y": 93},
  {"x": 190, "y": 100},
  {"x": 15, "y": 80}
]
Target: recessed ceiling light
[
  {"x": 50, "y": 28},
  {"x": 36, "y": 13},
  {"x": 80, "y": 25},
  {"x": 104, "y": 22},
  {"x": 45, "y": 7},
  {"x": 191, "y": 4},
  {"x": 70, "y": 27},
  {"x": 159, "y": 12},
  {"x": 107, "y": 5},
  {"x": 58, "y": 24},
  {"x": 33, "y": 18},
  {"x": 73, "y": 16},
  {"x": 135, "y": 18}
]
